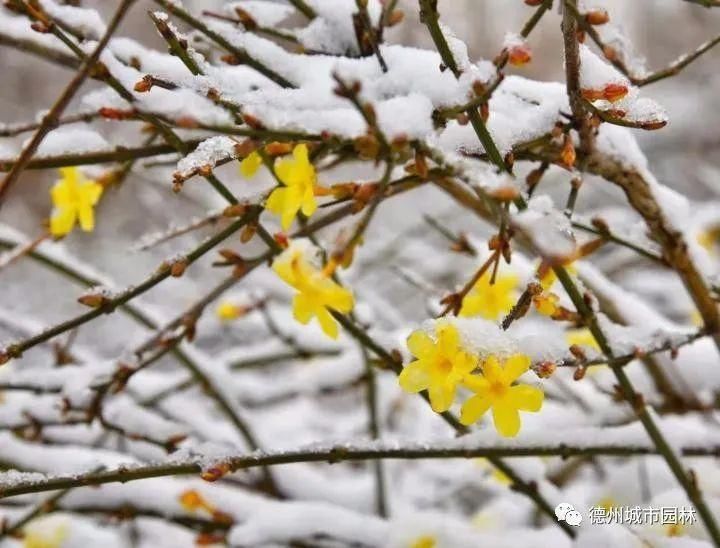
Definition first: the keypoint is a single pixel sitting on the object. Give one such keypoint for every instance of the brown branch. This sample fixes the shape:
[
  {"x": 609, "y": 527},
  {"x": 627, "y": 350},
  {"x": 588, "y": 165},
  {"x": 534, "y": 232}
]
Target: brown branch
[
  {"x": 615, "y": 60},
  {"x": 240, "y": 54},
  {"x": 118, "y": 154},
  {"x": 43, "y": 52},
  {"x": 10, "y": 130},
  {"x": 331, "y": 456},
  {"x": 51, "y": 119},
  {"x": 431, "y": 18},
  {"x": 572, "y": 76},
  {"x": 675, "y": 251},
  {"x": 15, "y": 350}
]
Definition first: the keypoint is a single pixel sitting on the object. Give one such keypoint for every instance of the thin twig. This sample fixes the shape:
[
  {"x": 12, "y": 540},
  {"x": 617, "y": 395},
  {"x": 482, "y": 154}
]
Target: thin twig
[
  {"x": 685, "y": 478},
  {"x": 51, "y": 119},
  {"x": 241, "y": 55},
  {"x": 431, "y": 18},
  {"x": 15, "y": 350},
  {"x": 332, "y": 455},
  {"x": 381, "y": 503},
  {"x": 572, "y": 77}
]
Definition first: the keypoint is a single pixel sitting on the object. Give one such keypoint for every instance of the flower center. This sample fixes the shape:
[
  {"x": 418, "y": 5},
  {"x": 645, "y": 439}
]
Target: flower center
[
  {"x": 444, "y": 366},
  {"x": 498, "y": 389}
]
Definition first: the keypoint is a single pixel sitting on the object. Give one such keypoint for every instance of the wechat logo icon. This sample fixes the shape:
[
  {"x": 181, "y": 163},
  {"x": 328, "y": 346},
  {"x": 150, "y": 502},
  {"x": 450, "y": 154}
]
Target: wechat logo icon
[{"x": 566, "y": 512}]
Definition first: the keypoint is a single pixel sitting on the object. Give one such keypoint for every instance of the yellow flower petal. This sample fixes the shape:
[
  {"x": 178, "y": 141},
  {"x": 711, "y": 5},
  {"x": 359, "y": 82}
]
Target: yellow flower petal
[
  {"x": 473, "y": 409},
  {"x": 441, "y": 365},
  {"x": 227, "y": 311},
  {"x": 276, "y": 201},
  {"x": 250, "y": 165},
  {"x": 464, "y": 364},
  {"x": 426, "y": 541},
  {"x": 526, "y": 398},
  {"x": 92, "y": 192},
  {"x": 309, "y": 204},
  {"x": 316, "y": 294},
  {"x": 476, "y": 383},
  {"x": 74, "y": 198},
  {"x": 420, "y": 344},
  {"x": 328, "y": 324},
  {"x": 414, "y": 377},
  {"x": 448, "y": 338},
  {"x": 492, "y": 371},
  {"x": 338, "y": 298},
  {"x": 441, "y": 396},
  {"x": 303, "y": 308},
  {"x": 45, "y": 532},
  {"x": 86, "y": 217},
  {"x": 490, "y": 301},
  {"x": 63, "y": 221},
  {"x": 506, "y": 419},
  {"x": 581, "y": 337},
  {"x": 515, "y": 366}
]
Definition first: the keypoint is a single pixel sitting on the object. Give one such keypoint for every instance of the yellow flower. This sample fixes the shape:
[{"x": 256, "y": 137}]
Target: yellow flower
[
  {"x": 490, "y": 300},
  {"x": 493, "y": 389},
  {"x": 581, "y": 337},
  {"x": 48, "y": 532},
  {"x": 548, "y": 279},
  {"x": 607, "y": 503},
  {"x": 317, "y": 293},
  {"x": 708, "y": 238},
  {"x": 74, "y": 198},
  {"x": 192, "y": 501},
  {"x": 495, "y": 473},
  {"x": 440, "y": 366},
  {"x": 696, "y": 318},
  {"x": 227, "y": 311},
  {"x": 426, "y": 541},
  {"x": 250, "y": 164},
  {"x": 546, "y": 303},
  {"x": 674, "y": 529},
  {"x": 299, "y": 177}
]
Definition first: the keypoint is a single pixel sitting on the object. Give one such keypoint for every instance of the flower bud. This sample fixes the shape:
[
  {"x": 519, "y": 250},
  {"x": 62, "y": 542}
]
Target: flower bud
[
  {"x": 545, "y": 370},
  {"x": 597, "y": 17},
  {"x": 144, "y": 85},
  {"x": 277, "y": 148},
  {"x": 395, "y": 17},
  {"x": 614, "y": 92},
  {"x": 177, "y": 268},
  {"x": 235, "y": 210},
  {"x": 215, "y": 472},
  {"x": 567, "y": 155},
  {"x": 519, "y": 55}
]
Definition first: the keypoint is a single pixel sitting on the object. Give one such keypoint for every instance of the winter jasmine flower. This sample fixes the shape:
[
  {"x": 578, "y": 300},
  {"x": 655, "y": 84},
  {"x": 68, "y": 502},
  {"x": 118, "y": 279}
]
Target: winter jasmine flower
[
  {"x": 493, "y": 472},
  {"x": 442, "y": 363},
  {"x": 494, "y": 390},
  {"x": 548, "y": 278},
  {"x": 192, "y": 501},
  {"x": 581, "y": 337},
  {"x": 426, "y": 541},
  {"x": 251, "y": 164},
  {"x": 228, "y": 311},
  {"x": 48, "y": 532},
  {"x": 490, "y": 300},
  {"x": 74, "y": 197},
  {"x": 546, "y": 303},
  {"x": 317, "y": 294},
  {"x": 298, "y": 193}
]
